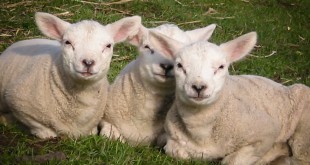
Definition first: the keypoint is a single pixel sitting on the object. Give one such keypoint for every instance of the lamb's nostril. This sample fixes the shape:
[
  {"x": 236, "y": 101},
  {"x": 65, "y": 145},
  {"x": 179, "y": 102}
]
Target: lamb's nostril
[
  {"x": 199, "y": 88},
  {"x": 166, "y": 67},
  {"x": 169, "y": 67},
  {"x": 88, "y": 63}
]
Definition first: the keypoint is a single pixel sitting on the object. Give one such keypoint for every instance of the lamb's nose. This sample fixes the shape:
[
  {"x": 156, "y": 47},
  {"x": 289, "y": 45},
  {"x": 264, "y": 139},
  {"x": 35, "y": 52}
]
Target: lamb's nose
[
  {"x": 88, "y": 63},
  {"x": 166, "y": 67},
  {"x": 199, "y": 88}
]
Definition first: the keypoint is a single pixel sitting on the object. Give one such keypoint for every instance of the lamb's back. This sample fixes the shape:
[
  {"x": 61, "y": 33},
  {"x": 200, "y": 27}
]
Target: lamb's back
[
  {"x": 26, "y": 61},
  {"x": 268, "y": 97}
]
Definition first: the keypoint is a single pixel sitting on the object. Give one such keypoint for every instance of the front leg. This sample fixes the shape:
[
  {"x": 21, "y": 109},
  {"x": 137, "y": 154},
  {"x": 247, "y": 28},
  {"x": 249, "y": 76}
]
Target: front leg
[
  {"x": 176, "y": 149},
  {"x": 278, "y": 151},
  {"x": 248, "y": 155},
  {"x": 37, "y": 128},
  {"x": 94, "y": 131},
  {"x": 243, "y": 156},
  {"x": 110, "y": 131},
  {"x": 41, "y": 131}
]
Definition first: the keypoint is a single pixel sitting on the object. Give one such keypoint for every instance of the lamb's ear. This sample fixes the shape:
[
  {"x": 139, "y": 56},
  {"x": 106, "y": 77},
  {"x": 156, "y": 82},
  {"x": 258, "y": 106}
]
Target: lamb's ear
[
  {"x": 238, "y": 48},
  {"x": 50, "y": 25},
  {"x": 124, "y": 28},
  {"x": 167, "y": 46},
  {"x": 137, "y": 39},
  {"x": 201, "y": 34}
]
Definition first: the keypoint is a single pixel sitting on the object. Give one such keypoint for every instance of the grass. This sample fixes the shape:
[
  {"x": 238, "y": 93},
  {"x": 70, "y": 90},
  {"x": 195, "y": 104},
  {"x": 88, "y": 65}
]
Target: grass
[{"x": 282, "y": 54}]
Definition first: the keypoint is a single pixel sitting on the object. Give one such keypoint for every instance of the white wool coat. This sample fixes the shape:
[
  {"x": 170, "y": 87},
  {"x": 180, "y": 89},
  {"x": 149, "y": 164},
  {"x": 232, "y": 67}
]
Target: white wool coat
[
  {"x": 251, "y": 115},
  {"x": 37, "y": 91}
]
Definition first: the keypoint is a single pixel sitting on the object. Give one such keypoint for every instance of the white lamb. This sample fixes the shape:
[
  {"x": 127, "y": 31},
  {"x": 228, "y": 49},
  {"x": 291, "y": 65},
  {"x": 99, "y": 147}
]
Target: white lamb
[
  {"x": 55, "y": 87},
  {"x": 143, "y": 92},
  {"x": 243, "y": 119}
]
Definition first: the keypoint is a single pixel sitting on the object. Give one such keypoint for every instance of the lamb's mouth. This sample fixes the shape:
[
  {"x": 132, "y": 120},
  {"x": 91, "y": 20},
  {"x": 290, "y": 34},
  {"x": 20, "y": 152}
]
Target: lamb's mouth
[
  {"x": 163, "y": 76},
  {"x": 86, "y": 74},
  {"x": 200, "y": 98}
]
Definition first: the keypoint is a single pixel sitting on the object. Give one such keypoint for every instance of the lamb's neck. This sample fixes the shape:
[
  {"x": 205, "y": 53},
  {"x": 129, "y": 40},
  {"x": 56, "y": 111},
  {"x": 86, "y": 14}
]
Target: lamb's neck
[
  {"x": 68, "y": 87},
  {"x": 201, "y": 115},
  {"x": 134, "y": 79},
  {"x": 154, "y": 102}
]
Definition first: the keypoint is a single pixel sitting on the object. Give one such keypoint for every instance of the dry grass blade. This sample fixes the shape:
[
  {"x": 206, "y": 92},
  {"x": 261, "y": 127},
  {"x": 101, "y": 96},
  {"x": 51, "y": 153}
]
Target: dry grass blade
[
  {"x": 5, "y": 35},
  {"x": 179, "y": 2},
  {"x": 269, "y": 55},
  {"x": 107, "y": 3},
  {"x": 122, "y": 11},
  {"x": 14, "y": 5},
  {"x": 117, "y": 3},
  {"x": 67, "y": 13},
  {"x": 158, "y": 22},
  {"x": 87, "y": 2},
  {"x": 190, "y": 22},
  {"x": 121, "y": 58},
  {"x": 222, "y": 18}
]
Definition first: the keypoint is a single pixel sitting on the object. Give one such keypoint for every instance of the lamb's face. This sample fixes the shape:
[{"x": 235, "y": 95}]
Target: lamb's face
[
  {"x": 156, "y": 67},
  {"x": 87, "y": 45},
  {"x": 87, "y": 50},
  {"x": 200, "y": 71}
]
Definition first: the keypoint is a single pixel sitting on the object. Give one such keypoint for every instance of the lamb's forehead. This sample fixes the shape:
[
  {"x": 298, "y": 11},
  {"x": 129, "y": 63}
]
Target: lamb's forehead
[
  {"x": 88, "y": 30},
  {"x": 201, "y": 52},
  {"x": 173, "y": 31}
]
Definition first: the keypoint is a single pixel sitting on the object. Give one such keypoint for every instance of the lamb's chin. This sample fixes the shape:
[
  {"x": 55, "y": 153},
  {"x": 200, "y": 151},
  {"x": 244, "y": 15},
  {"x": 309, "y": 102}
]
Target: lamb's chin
[
  {"x": 86, "y": 77},
  {"x": 203, "y": 100},
  {"x": 198, "y": 100},
  {"x": 163, "y": 78}
]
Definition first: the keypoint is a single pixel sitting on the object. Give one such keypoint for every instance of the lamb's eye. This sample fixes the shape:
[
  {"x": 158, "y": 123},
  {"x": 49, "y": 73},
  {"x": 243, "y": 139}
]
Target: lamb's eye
[
  {"x": 67, "y": 42},
  {"x": 221, "y": 67},
  {"x": 180, "y": 66},
  {"x": 109, "y": 46},
  {"x": 148, "y": 47}
]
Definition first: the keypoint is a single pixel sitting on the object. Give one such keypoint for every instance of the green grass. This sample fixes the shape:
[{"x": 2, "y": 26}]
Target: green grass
[{"x": 282, "y": 26}]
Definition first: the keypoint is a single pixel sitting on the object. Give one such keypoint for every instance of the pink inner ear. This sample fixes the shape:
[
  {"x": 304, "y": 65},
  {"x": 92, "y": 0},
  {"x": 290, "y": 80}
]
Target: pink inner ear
[
  {"x": 238, "y": 51},
  {"x": 54, "y": 31},
  {"x": 163, "y": 46},
  {"x": 51, "y": 28},
  {"x": 135, "y": 40},
  {"x": 123, "y": 32},
  {"x": 120, "y": 35}
]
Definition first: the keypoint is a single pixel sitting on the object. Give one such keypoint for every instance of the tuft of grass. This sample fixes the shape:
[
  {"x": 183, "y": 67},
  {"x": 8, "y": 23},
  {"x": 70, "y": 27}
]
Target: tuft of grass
[{"x": 282, "y": 54}]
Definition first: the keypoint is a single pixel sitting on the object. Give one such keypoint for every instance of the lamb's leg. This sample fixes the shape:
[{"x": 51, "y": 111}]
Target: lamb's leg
[
  {"x": 110, "y": 131},
  {"x": 36, "y": 128},
  {"x": 42, "y": 131},
  {"x": 243, "y": 156},
  {"x": 176, "y": 149},
  {"x": 250, "y": 154},
  {"x": 278, "y": 150},
  {"x": 283, "y": 160},
  {"x": 94, "y": 131},
  {"x": 300, "y": 140}
]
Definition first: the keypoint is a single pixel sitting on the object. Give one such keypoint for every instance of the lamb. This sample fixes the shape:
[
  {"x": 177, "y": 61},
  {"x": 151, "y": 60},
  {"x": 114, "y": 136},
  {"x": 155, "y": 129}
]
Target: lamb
[
  {"x": 54, "y": 87},
  {"x": 142, "y": 93},
  {"x": 241, "y": 119}
]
